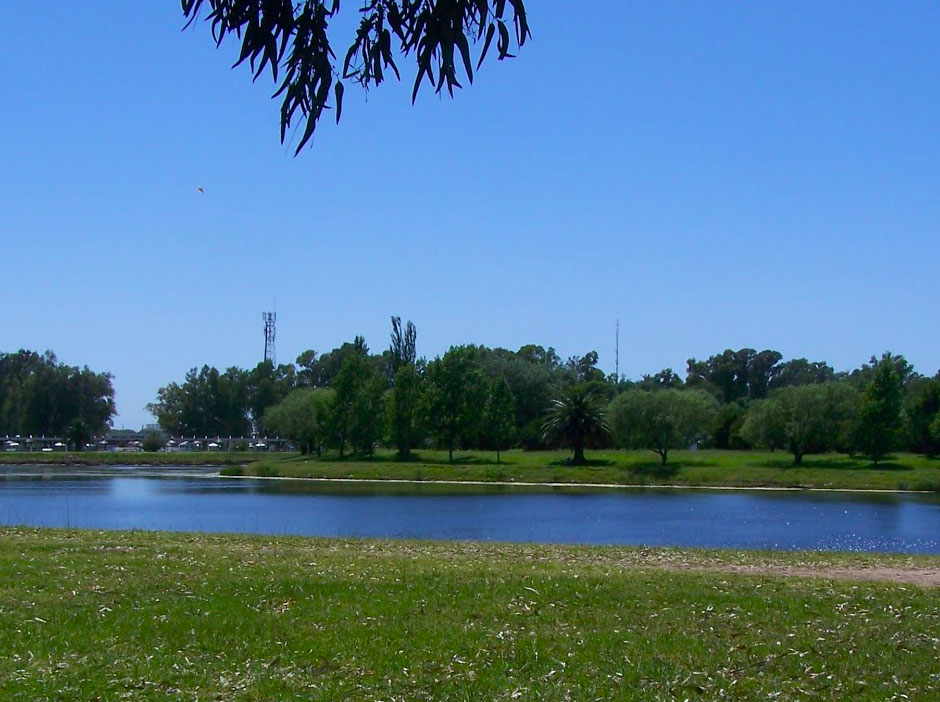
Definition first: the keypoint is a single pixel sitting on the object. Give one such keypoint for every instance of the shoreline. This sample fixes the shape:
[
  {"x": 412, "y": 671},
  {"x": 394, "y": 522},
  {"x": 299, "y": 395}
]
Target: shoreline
[
  {"x": 720, "y": 471},
  {"x": 614, "y": 486},
  {"x": 481, "y": 483}
]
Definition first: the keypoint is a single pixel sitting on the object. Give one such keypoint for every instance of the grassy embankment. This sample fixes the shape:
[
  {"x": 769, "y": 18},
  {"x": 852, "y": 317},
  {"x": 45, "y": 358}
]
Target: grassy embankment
[
  {"x": 138, "y": 458},
  {"x": 151, "y": 616},
  {"x": 690, "y": 468}
]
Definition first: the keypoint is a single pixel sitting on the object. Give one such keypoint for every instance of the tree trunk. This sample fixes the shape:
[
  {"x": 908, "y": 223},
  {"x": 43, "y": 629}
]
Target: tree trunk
[
  {"x": 450, "y": 453},
  {"x": 797, "y": 458},
  {"x": 578, "y": 458},
  {"x": 662, "y": 455},
  {"x": 497, "y": 455}
]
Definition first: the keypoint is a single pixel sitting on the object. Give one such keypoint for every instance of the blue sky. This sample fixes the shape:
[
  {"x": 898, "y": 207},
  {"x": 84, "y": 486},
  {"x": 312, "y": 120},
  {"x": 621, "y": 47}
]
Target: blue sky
[{"x": 713, "y": 174}]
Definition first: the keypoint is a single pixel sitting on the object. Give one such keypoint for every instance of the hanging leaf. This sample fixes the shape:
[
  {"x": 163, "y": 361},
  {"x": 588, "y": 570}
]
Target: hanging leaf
[
  {"x": 290, "y": 37},
  {"x": 338, "y": 90}
]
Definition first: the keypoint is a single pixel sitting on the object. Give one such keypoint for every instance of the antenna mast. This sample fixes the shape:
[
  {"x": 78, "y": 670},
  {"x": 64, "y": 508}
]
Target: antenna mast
[
  {"x": 617, "y": 352},
  {"x": 269, "y": 319}
]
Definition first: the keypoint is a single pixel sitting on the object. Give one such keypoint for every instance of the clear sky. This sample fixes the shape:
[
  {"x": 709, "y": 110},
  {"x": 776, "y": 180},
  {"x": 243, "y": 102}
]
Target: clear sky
[{"x": 714, "y": 174}]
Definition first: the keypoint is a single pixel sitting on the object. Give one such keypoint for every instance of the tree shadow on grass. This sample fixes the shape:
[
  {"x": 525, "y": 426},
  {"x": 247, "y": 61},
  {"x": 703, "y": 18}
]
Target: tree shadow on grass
[
  {"x": 885, "y": 466},
  {"x": 469, "y": 461},
  {"x": 785, "y": 462},
  {"x": 654, "y": 469},
  {"x": 589, "y": 463}
]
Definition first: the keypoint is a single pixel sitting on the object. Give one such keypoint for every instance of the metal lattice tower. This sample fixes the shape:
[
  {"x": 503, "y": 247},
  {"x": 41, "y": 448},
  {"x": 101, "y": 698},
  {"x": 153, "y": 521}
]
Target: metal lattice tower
[{"x": 269, "y": 319}]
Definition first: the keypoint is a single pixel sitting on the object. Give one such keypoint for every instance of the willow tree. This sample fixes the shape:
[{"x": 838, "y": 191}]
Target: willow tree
[
  {"x": 447, "y": 39},
  {"x": 662, "y": 420}
]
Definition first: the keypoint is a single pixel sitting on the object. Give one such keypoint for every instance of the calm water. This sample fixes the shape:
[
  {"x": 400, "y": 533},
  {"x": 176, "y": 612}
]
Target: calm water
[{"x": 193, "y": 500}]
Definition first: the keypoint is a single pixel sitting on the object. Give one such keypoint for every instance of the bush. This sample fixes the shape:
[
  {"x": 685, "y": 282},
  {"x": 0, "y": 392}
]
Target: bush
[{"x": 153, "y": 441}]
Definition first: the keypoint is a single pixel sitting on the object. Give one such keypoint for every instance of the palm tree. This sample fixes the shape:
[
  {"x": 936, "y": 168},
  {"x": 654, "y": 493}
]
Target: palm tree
[{"x": 575, "y": 417}]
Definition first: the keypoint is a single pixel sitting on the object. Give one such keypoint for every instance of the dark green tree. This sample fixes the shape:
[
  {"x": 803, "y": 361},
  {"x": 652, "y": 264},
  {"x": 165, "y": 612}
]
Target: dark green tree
[
  {"x": 922, "y": 410},
  {"x": 535, "y": 376},
  {"x": 454, "y": 398},
  {"x": 403, "y": 410},
  {"x": 498, "y": 426},
  {"x": 403, "y": 350},
  {"x": 41, "y": 396},
  {"x": 368, "y": 410},
  {"x": 880, "y": 417},
  {"x": 357, "y": 409},
  {"x": 584, "y": 369},
  {"x": 735, "y": 375},
  {"x": 291, "y": 39},
  {"x": 664, "y": 380},
  {"x": 728, "y": 423},
  {"x": 320, "y": 371},
  {"x": 799, "y": 371},
  {"x": 78, "y": 434},
  {"x": 574, "y": 418},
  {"x": 206, "y": 403},
  {"x": 935, "y": 428},
  {"x": 904, "y": 370},
  {"x": 306, "y": 369},
  {"x": 267, "y": 386}
]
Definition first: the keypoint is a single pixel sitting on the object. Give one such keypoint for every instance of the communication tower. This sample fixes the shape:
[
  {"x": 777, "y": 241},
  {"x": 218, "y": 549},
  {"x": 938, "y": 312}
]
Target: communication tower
[
  {"x": 617, "y": 352},
  {"x": 269, "y": 319}
]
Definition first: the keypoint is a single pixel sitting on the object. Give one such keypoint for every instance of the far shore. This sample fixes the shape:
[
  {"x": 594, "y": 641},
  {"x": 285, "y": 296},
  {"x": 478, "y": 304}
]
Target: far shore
[
  {"x": 610, "y": 486},
  {"x": 705, "y": 469}
]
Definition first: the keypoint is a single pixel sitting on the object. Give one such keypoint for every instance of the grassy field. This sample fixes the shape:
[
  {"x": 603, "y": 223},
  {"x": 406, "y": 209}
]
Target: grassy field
[
  {"x": 150, "y": 616},
  {"x": 691, "y": 468}
]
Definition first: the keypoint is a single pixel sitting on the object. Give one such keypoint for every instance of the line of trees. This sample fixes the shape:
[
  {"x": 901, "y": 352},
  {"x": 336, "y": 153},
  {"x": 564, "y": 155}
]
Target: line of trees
[
  {"x": 39, "y": 396},
  {"x": 474, "y": 397}
]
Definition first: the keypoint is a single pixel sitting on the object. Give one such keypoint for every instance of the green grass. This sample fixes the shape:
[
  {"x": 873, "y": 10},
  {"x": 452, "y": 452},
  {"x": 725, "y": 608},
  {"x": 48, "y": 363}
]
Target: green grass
[
  {"x": 689, "y": 468},
  {"x": 144, "y": 616}
]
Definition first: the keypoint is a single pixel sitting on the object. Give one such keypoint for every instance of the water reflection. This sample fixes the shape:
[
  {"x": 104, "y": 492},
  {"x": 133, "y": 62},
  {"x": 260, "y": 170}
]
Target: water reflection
[{"x": 192, "y": 500}]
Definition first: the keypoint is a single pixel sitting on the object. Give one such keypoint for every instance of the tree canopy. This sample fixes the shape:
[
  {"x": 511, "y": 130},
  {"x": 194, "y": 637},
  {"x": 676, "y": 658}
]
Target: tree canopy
[
  {"x": 293, "y": 40},
  {"x": 41, "y": 396},
  {"x": 476, "y": 397},
  {"x": 662, "y": 420}
]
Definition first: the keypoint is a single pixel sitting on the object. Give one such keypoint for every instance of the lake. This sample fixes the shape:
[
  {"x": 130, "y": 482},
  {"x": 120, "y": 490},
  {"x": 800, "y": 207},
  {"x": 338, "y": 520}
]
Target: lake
[{"x": 196, "y": 499}]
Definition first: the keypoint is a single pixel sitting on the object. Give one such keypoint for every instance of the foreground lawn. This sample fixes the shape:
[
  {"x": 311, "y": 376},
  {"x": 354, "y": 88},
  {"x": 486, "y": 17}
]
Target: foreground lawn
[
  {"x": 690, "y": 468},
  {"x": 142, "y": 616}
]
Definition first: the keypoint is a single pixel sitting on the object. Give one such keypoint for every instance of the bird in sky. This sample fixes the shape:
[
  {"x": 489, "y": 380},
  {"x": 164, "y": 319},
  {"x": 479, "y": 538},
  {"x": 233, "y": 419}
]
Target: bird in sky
[{"x": 200, "y": 188}]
